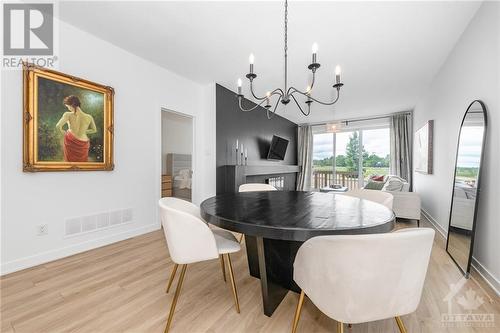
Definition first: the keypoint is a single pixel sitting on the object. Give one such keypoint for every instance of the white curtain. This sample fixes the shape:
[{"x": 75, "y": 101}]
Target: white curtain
[
  {"x": 401, "y": 145},
  {"x": 305, "y": 149}
]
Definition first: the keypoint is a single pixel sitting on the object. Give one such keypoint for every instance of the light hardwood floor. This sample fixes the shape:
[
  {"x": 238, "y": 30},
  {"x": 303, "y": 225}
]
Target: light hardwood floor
[{"x": 121, "y": 287}]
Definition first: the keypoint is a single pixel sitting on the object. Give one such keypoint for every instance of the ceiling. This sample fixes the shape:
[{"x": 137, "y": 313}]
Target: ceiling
[{"x": 389, "y": 51}]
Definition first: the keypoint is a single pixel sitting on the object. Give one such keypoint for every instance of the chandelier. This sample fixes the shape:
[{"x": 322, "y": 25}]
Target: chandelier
[{"x": 288, "y": 93}]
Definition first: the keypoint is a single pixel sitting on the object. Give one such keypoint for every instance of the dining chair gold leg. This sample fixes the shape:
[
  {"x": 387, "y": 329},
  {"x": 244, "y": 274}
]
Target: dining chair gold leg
[
  {"x": 340, "y": 327},
  {"x": 172, "y": 277},
  {"x": 401, "y": 326},
  {"x": 298, "y": 310},
  {"x": 223, "y": 267},
  {"x": 176, "y": 297},
  {"x": 233, "y": 284}
]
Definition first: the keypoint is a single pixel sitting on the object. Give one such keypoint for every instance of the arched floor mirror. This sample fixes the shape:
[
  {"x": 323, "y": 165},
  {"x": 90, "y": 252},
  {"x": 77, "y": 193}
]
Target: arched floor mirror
[{"x": 466, "y": 186}]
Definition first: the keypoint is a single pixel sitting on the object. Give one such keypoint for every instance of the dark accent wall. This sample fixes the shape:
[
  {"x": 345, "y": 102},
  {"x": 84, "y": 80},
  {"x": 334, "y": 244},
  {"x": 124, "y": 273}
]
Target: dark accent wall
[{"x": 253, "y": 129}]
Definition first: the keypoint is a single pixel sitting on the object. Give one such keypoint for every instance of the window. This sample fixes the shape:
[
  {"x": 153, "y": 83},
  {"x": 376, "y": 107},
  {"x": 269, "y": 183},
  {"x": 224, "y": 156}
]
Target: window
[
  {"x": 346, "y": 171},
  {"x": 322, "y": 160},
  {"x": 376, "y": 152},
  {"x": 350, "y": 156}
]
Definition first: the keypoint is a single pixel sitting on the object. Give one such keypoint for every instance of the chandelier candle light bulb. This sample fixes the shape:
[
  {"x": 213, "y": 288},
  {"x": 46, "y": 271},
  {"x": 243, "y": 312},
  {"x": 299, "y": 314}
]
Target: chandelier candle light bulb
[
  {"x": 251, "y": 59},
  {"x": 239, "y": 92},
  {"x": 314, "y": 52},
  {"x": 338, "y": 72}
]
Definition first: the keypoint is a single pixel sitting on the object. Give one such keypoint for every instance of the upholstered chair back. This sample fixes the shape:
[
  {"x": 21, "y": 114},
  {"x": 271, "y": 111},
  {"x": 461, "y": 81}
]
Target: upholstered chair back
[
  {"x": 361, "y": 278},
  {"x": 254, "y": 187},
  {"x": 189, "y": 239},
  {"x": 380, "y": 197}
]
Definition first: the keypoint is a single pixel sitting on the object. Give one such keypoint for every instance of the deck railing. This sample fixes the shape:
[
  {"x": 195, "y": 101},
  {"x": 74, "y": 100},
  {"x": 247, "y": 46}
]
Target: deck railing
[{"x": 347, "y": 179}]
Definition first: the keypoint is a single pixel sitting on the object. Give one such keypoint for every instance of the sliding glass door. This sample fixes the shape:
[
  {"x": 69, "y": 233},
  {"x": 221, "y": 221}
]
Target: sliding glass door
[
  {"x": 348, "y": 158},
  {"x": 376, "y": 152},
  {"x": 323, "y": 158}
]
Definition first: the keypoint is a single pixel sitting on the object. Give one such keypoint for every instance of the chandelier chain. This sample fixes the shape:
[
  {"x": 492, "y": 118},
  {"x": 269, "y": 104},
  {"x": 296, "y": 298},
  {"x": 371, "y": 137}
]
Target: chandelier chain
[
  {"x": 286, "y": 49},
  {"x": 286, "y": 27}
]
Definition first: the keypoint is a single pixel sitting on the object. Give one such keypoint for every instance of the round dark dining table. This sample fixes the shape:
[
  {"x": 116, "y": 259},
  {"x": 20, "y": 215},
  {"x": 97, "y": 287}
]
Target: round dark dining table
[{"x": 277, "y": 223}]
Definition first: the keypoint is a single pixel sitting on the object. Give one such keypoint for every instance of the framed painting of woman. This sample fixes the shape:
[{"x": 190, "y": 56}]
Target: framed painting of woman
[{"x": 68, "y": 122}]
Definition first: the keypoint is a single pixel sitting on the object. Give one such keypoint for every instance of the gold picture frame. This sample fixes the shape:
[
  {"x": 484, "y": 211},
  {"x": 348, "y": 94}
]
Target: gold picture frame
[{"x": 50, "y": 145}]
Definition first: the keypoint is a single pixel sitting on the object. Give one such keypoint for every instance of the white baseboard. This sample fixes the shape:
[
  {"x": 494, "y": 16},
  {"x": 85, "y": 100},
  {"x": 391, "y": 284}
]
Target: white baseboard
[
  {"x": 436, "y": 225},
  {"x": 491, "y": 280},
  {"x": 42, "y": 258},
  {"x": 486, "y": 275}
]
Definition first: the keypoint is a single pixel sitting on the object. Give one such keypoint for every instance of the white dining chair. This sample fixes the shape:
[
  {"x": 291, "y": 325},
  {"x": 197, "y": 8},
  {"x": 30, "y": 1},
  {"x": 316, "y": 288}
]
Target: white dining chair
[
  {"x": 191, "y": 208},
  {"x": 255, "y": 187},
  {"x": 380, "y": 197},
  {"x": 361, "y": 278},
  {"x": 190, "y": 240}
]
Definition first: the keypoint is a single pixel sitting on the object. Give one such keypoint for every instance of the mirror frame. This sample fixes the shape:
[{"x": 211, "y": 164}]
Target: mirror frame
[{"x": 478, "y": 191}]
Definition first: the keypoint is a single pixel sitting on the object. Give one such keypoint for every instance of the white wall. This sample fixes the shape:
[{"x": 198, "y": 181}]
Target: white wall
[
  {"x": 471, "y": 72},
  {"x": 176, "y": 136},
  {"x": 142, "y": 88}
]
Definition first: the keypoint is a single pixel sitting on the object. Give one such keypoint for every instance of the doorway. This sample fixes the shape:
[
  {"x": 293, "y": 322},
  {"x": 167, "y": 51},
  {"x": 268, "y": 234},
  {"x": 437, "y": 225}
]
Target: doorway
[{"x": 176, "y": 155}]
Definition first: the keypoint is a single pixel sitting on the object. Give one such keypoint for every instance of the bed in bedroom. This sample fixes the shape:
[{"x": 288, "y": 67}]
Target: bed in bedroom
[{"x": 179, "y": 166}]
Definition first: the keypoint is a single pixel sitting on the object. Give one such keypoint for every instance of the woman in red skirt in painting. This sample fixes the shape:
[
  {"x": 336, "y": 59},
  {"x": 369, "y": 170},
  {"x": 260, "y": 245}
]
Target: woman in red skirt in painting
[{"x": 76, "y": 142}]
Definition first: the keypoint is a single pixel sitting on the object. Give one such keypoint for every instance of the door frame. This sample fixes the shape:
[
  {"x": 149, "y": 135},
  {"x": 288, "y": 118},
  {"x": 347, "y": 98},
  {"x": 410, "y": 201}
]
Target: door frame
[{"x": 194, "y": 182}]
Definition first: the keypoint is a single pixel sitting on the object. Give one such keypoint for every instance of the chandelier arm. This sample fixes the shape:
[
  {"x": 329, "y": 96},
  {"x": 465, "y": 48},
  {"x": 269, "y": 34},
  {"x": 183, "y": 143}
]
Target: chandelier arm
[
  {"x": 274, "y": 109},
  {"x": 276, "y": 91},
  {"x": 298, "y": 105},
  {"x": 310, "y": 85},
  {"x": 253, "y": 93},
  {"x": 313, "y": 80},
  {"x": 291, "y": 90},
  {"x": 316, "y": 100},
  {"x": 251, "y": 109}
]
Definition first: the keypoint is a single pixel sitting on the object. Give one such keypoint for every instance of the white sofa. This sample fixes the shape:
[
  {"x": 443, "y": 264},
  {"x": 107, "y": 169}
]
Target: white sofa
[{"x": 405, "y": 204}]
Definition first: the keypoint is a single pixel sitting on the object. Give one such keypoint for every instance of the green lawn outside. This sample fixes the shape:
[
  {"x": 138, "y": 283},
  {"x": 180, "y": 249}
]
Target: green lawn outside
[{"x": 466, "y": 174}]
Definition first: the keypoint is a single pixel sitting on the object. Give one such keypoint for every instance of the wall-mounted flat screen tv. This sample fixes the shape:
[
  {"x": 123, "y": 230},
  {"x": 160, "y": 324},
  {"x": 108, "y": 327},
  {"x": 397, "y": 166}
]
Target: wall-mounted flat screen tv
[{"x": 277, "y": 150}]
